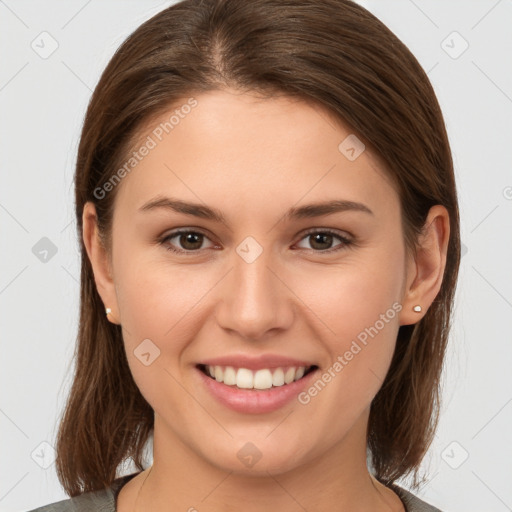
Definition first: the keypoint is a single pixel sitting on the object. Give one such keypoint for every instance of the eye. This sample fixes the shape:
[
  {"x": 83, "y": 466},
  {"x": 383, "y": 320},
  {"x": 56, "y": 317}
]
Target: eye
[
  {"x": 190, "y": 241},
  {"x": 321, "y": 240}
]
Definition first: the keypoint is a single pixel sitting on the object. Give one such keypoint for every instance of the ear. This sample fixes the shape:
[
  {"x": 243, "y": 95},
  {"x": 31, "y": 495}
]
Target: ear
[
  {"x": 100, "y": 261},
  {"x": 425, "y": 272}
]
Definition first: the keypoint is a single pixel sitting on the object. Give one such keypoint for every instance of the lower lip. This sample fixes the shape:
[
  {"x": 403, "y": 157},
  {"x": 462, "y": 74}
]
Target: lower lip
[{"x": 254, "y": 401}]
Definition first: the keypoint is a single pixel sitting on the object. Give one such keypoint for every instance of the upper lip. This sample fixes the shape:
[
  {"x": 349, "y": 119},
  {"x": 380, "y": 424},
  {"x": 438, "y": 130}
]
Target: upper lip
[{"x": 256, "y": 363}]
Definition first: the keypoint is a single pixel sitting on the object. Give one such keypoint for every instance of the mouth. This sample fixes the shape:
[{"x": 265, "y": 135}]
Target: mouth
[{"x": 256, "y": 380}]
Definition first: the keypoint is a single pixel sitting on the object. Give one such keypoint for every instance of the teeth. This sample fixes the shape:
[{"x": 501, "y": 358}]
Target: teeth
[
  {"x": 244, "y": 378},
  {"x": 289, "y": 376},
  {"x": 230, "y": 376},
  {"x": 278, "y": 377},
  {"x": 260, "y": 379},
  {"x": 263, "y": 379}
]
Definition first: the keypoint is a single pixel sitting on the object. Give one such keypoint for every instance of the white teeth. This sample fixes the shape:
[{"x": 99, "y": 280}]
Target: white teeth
[
  {"x": 229, "y": 376},
  {"x": 263, "y": 379},
  {"x": 244, "y": 378},
  {"x": 260, "y": 379},
  {"x": 278, "y": 377},
  {"x": 289, "y": 375}
]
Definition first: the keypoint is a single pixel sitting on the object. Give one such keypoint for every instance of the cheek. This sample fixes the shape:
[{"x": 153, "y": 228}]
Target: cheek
[
  {"x": 359, "y": 358},
  {"x": 348, "y": 298},
  {"x": 358, "y": 307},
  {"x": 154, "y": 296},
  {"x": 160, "y": 304}
]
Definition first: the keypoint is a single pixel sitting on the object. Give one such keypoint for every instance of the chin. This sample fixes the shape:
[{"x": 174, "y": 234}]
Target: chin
[{"x": 260, "y": 456}]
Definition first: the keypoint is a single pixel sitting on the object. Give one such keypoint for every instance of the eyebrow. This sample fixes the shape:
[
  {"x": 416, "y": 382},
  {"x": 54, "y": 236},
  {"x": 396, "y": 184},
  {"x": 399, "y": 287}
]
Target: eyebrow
[{"x": 295, "y": 213}]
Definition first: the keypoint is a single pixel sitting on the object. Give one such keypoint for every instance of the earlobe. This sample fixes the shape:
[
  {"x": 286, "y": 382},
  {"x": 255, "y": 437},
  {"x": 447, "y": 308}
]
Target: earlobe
[
  {"x": 426, "y": 272},
  {"x": 99, "y": 258}
]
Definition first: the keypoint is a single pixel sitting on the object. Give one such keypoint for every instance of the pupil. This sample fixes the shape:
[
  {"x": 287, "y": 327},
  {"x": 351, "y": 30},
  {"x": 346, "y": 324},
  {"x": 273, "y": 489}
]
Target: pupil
[
  {"x": 322, "y": 238},
  {"x": 191, "y": 238}
]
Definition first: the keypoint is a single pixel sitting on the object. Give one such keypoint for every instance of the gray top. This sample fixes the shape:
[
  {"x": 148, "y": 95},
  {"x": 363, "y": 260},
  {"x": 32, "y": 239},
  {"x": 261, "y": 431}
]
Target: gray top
[{"x": 105, "y": 500}]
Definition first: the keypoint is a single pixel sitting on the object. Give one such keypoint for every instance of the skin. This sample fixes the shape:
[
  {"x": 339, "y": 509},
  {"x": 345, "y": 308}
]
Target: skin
[{"x": 253, "y": 159}]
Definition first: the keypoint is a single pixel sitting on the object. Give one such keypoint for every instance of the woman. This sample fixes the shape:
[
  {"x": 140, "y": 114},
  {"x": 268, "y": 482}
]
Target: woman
[{"x": 269, "y": 227}]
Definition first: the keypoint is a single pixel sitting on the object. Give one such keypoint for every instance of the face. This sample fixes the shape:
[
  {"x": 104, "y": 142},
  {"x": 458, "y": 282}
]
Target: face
[{"x": 267, "y": 289}]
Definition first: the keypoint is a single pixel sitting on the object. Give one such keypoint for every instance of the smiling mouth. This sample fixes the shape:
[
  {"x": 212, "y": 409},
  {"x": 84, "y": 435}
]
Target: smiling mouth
[{"x": 265, "y": 378}]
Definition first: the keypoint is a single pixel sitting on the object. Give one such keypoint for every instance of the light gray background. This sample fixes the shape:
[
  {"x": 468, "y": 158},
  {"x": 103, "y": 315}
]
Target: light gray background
[{"x": 42, "y": 104}]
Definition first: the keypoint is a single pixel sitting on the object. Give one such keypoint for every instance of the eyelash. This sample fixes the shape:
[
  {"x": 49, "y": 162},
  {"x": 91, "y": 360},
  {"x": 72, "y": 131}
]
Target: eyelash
[{"x": 346, "y": 242}]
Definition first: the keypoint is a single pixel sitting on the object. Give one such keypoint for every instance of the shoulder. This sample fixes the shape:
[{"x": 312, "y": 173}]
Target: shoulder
[
  {"x": 103, "y": 500},
  {"x": 413, "y": 503}
]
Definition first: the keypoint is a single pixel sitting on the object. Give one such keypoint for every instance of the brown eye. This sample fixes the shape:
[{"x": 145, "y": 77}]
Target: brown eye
[
  {"x": 186, "y": 241},
  {"x": 321, "y": 241}
]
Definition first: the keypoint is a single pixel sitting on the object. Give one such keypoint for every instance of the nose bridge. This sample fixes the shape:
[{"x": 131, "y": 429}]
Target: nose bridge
[{"x": 254, "y": 299}]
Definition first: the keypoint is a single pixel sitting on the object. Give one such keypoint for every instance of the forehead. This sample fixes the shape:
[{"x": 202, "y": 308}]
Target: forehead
[{"x": 237, "y": 149}]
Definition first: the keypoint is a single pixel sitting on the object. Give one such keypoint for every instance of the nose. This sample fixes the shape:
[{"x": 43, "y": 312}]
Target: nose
[{"x": 254, "y": 300}]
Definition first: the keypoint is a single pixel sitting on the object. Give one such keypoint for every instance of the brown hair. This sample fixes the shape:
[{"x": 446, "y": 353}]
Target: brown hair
[{"x": 334, "y": 53}]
